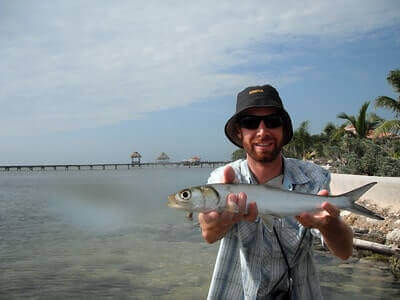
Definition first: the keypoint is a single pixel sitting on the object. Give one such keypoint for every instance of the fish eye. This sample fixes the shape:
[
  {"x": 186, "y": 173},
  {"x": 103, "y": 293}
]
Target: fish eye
[{"x": 185, "y": 194}]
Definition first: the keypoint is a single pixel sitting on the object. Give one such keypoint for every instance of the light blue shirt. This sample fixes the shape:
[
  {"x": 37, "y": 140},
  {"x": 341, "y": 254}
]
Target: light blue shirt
[{"x": 250, "y": 263}]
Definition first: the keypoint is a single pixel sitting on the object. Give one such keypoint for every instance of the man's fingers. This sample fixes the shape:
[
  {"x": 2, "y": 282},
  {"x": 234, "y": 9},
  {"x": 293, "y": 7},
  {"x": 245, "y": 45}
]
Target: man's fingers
[
  {"x": 229, "y": 175},
  {"x": 208, "y": 218},
  {"x": 331, "y": 209},
  {"x": 320, "y": 218},
  {"x": 212, "y": 219},
  {"x": 252, "y": 212},
  {"x": 323, "y": 193},
  {"x": 242, "y": 197},
  {"x": 305, "y": 219},
  {"x": 232, "y": 198}
]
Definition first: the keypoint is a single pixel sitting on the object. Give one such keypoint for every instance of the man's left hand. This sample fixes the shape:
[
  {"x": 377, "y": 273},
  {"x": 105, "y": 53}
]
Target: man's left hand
[
  {"x": 337, "y": 235},
  {"x": 328, "y": 214}
]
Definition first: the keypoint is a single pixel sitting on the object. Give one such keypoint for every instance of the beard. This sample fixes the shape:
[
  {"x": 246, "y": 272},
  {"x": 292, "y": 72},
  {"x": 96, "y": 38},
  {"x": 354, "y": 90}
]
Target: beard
[{"x": 265, "y": 156}]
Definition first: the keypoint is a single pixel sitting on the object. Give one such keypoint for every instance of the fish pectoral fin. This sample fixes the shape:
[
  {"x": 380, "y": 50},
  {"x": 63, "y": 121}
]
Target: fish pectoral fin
[
  {"x": 276, "y": 216},
  {"x": 271, "y": 214},
  {"x": 232, "y": 207},
  {"x": 189, "y": 216}
]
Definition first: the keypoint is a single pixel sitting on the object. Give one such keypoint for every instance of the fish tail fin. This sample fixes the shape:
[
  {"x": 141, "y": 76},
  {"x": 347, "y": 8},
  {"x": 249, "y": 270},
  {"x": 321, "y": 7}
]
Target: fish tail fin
[
  {"x": 361, "y": 210},
  {"x": 354, "y": 195}
]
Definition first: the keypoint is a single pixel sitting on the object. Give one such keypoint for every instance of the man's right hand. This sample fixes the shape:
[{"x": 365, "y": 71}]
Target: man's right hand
[{"x": 215, "y": 225}]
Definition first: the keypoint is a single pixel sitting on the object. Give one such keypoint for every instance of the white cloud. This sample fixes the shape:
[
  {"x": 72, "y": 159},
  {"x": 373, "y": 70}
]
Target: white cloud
[{"x": 73, "y": 64}]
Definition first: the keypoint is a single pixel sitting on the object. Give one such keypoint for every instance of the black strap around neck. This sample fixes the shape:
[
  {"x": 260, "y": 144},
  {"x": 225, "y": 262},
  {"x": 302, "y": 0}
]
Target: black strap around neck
[{"x": 283, "y": 252}]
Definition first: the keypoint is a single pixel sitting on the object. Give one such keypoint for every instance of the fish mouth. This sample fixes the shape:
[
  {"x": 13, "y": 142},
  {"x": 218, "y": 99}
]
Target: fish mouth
[
  {"x": 172, "y": 202},
  {"x": 175, "y": 203}
]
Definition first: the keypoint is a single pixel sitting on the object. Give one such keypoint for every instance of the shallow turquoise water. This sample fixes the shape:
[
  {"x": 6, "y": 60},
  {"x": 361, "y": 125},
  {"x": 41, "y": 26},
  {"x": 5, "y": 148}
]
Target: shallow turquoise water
[{"x": 110, "y": 235}]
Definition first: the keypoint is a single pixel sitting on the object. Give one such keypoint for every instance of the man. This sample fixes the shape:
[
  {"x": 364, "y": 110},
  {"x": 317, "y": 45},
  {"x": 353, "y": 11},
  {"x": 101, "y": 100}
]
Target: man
[{"x": 265, "y": 259}]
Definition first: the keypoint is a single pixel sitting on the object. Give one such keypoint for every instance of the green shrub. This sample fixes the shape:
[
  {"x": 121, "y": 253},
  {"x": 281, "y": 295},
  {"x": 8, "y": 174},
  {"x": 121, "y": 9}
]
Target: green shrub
[
  {"x": 238, "y": 154},
  {"x": 366, "y": 157}
]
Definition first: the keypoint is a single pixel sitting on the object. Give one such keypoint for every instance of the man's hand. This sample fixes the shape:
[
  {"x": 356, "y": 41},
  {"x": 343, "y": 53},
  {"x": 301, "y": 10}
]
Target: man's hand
[
  {"x": 338, "y": 236},
  {"x": 328, "y": 215},
  {"x": 215, "y": 225}
]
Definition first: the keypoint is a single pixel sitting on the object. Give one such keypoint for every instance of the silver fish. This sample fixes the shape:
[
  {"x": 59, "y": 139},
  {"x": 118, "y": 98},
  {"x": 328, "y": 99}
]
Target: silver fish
[{"x": 271, "y": 201}]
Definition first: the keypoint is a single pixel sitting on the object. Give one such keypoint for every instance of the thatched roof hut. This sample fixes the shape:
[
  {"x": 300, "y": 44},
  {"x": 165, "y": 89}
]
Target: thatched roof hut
[
  {"x": 193, "y": 161},
  {"x": 163, "y": 157},
  {"x": 135, "y": 158},
  {"x": 136, "y": 155}
]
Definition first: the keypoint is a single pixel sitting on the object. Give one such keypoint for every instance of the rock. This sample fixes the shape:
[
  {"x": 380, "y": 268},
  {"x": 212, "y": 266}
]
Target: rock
[
  {"x": 374, "y": 236},
  {"x": 372, "y": 221},
  {"x": 394, "y": 236},
  {"x": 360, "y": 230},
  {"x": 344, "y": 213}
]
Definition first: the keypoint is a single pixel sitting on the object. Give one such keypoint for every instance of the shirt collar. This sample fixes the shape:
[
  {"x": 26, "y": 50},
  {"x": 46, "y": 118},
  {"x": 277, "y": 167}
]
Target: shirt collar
[{"x": 293, "y": 174}]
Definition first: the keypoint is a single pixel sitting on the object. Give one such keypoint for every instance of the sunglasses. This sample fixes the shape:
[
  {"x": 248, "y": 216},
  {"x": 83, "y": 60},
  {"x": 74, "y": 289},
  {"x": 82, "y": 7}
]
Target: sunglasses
[{"x": 252, "y": 122}]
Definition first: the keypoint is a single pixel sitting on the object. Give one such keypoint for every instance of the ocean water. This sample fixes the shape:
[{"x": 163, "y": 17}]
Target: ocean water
[{"x": 109, "y": 235}]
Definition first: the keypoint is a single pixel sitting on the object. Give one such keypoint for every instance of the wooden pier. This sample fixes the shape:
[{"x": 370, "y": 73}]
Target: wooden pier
[{"x": 110, "y": 166}]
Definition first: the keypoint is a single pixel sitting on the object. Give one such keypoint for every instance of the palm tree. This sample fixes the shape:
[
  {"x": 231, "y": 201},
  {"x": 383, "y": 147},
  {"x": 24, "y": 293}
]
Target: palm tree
[
  {"x": 333, "y": 133},
  {"x": 301, "y": 141},
  {"x": 390, "y": 126},
  {"x": 329, "y": 129},
  {"x": 362, "y": 123}
]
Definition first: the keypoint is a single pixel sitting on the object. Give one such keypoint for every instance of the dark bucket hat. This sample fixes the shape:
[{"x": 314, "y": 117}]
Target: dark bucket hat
[{"x": 258, "y": 96}]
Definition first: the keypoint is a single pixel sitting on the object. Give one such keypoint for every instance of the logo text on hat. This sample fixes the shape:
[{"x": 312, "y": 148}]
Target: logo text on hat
[{"x": 256, "y": 91}]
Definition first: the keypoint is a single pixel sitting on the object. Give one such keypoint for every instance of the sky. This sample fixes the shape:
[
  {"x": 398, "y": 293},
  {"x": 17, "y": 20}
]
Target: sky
[{"x": 94, "y": 81}]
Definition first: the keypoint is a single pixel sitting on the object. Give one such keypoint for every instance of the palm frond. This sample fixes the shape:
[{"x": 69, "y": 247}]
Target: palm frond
[
  {"x": 374, "y": 121},
  {"x": 303, "y": 126},
  {"x": 388, "y": 103},
  {"x": 345, "y": 116},
  {"x": 361, "y": 124},
  {"x": 394, "y": 79},
  {"x": 388, "y": 127},
  {"x": 339, "y": 133}
]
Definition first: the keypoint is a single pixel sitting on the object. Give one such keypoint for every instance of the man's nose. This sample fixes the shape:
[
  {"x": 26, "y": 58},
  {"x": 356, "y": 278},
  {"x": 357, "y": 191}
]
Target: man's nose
[{"x": 261, "y": 127}]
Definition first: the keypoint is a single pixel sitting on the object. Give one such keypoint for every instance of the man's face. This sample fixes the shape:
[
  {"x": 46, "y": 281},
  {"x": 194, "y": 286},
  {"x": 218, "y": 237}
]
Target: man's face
[{"x": 262, "y": 144}]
